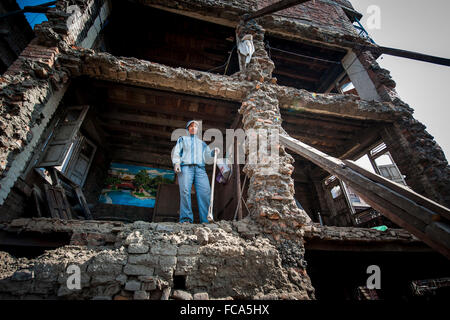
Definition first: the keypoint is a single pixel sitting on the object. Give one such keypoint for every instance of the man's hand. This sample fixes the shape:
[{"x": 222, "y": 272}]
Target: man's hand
[
  {"x": 216, "y": 150},
  {"x": 177, "y": 168}
]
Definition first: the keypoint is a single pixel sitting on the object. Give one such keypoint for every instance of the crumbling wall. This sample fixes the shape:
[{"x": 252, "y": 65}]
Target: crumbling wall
[
  {"x": 414, "y": 150},
  {"x": 323, "y": 15},
  {"x": 261, "y": 257},
  {"x": 223, "y": 260},
  {"x": 139, "y": 261}
]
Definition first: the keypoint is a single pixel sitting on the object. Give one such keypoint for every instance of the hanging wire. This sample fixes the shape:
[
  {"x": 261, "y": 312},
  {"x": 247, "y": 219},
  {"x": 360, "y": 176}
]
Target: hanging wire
[
  {"x": 225, "y": 64},
  {"x": 300, "y": 55},
  {"x": 229, "y": 59}
]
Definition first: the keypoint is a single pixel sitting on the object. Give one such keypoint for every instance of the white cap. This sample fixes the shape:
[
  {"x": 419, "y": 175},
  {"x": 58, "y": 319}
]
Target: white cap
[{"x": 189, "y": 123}]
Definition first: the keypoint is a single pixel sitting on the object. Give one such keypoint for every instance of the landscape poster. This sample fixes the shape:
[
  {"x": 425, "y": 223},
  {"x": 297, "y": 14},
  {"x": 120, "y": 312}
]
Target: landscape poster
[{"x": 134, "y": 185}]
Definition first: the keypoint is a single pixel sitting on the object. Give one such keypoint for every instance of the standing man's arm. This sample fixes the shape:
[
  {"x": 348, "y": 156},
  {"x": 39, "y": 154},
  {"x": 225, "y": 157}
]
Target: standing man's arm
[
  {"x": 176, "y": 156},
  {"x": 208, "y": 154}
]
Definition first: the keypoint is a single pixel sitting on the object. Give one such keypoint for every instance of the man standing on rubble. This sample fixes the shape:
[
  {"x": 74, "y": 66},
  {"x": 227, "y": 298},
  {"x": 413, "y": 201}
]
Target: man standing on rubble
[{"x": 188, "y": 158}]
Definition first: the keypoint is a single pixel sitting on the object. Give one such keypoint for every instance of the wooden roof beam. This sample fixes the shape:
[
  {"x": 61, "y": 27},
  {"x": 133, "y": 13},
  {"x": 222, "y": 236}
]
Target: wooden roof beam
[{"x": 278, "y": 6}]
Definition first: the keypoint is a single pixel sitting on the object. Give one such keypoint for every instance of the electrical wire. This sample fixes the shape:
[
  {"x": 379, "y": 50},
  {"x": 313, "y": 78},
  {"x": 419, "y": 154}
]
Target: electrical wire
[
  {"x": 225, "y": 64},
  {"x": 301, "y": 55}
]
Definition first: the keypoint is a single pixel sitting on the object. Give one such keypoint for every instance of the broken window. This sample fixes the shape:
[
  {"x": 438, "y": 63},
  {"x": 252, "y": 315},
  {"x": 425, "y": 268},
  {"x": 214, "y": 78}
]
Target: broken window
[
  {"x": 384, "y": 164},
  {"x": 377, "y": 160}
]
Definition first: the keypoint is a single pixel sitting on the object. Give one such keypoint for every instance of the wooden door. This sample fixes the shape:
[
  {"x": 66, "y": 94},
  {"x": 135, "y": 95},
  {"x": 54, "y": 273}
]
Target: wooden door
[
  {"x": 63, "y": 136},
  {"x": 80, "y": 161}
]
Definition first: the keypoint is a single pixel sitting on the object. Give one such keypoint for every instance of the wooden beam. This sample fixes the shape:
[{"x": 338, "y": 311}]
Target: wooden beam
[
  {"x": 283, "y": 57},
  {"x": 316, "y": 142},
  {"x": 401, "y": 209},
  {"x": 113, "y": 87},
  {"x": 329, "y": 78},
  {"x": 140, "y": 140},
  {"x": 139, "y": 148},
  {"x": 363, "y": 141},
  {"x": 405, "y": 54},
  {"x": 132, "y": 128},
  {"x": 293, "y": 75},
  {"x": 174, "y": 111},
  {"x": 142, "y": 157},
  {"x": 278, "y": 6},
  {"x": 402, "y": 190},
  {"x": 156, "y": 121},
  {"x": 308, "y": 119},
  {"x": 320, "y": 133}
]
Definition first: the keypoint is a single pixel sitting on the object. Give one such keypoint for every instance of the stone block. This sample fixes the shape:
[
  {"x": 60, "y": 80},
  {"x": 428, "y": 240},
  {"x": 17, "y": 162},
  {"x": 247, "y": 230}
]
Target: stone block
[
  {"x": 162, "y": 227},
  {"x": 138, "y": 248},
  {"x": 167, "y": 262},
  {"x": 104, "y": 268},
  {"x": 164, "y": 249},
  {"x": 101, "y": 298},
  {"x": 144, "y": 259},
  {"x": 186, "y": 250},
  {"x": 201, "y": 296},
  {"x": 202, "y": 236},
  {"x": 23, "y": 275},
  {"x": 98, "y": 279},
  {"x": 185, "y": 264},
  {"x": 141, "y": 295},
  {"x": 138, "y": 270},
  {"x": 133, "y": 285},
  {"x": 121, "y": 279},
  {"x": 181, "y": 295},
  {"x": 149, "y": 286},
  {"x": 166, "y": 293}
]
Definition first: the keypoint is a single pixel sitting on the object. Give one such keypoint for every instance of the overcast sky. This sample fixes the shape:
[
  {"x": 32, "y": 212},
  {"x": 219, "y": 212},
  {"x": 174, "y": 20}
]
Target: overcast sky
[{"x": 420, "y": 26}]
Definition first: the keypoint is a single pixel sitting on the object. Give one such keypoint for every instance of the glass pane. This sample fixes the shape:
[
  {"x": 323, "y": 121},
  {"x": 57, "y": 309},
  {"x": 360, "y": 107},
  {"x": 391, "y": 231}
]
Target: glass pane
[
  {"x": 364, "y": 162},
  {"x": 336, "y": 192},
  {"x": 383, "y": 160}
]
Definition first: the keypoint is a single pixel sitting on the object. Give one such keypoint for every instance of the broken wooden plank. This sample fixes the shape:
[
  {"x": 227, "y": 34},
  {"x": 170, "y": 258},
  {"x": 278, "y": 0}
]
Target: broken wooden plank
[
  {"x": 419, "y": 199},
  {"x": 400, "y": 209},
  {"x": 278, "y": 6},
  {"x": 83, "y": 203},
  {"x": 58, "y": 206}
]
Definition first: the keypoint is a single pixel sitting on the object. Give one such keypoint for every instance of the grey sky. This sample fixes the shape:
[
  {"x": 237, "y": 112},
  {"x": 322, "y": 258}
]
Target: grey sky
[{"x": 420, "y": 26}]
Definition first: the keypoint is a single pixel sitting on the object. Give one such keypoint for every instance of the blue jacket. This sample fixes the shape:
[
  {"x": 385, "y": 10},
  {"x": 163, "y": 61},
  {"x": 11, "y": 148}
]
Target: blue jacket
[{"x": 191, "y": 150}]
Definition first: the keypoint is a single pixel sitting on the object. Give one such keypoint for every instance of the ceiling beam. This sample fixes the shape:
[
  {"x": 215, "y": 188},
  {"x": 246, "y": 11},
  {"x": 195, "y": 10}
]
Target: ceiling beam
[
  {"x": 114, "y": 87},
  {"x": 278, "y": 6},
  {"x": 169, "y": 110},
  {"x": 404, "y": 54}
]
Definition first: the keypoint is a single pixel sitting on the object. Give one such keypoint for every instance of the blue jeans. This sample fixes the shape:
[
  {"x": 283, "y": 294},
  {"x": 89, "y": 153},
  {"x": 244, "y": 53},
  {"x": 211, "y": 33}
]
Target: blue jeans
[{"x": 198, "y": 176}]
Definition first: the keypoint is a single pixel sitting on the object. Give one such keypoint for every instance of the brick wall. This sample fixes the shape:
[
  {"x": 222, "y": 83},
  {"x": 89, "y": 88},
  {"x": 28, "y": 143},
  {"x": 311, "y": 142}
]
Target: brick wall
[{"x": 318, "y": 13}]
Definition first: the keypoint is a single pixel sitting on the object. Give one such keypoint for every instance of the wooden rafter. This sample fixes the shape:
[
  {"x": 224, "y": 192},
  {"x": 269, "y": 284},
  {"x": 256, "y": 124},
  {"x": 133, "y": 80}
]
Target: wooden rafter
[{"x": 424, "y": 218}]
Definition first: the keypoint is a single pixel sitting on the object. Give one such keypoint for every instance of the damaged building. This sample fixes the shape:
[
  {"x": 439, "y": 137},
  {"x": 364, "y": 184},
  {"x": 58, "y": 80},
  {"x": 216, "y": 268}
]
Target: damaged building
[{"x": 89, "y": 104}]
